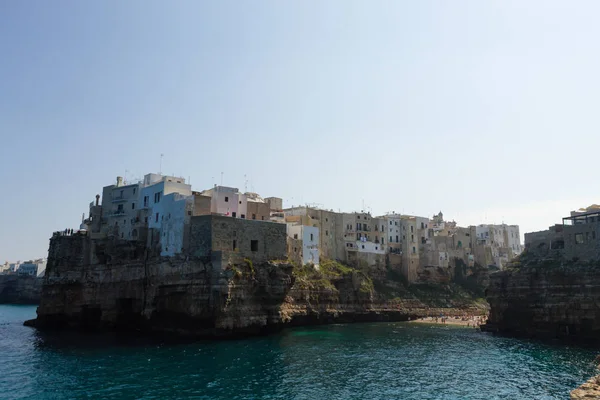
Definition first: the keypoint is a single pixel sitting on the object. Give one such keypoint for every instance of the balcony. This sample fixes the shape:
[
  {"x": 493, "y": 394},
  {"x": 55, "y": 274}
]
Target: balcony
[
  {"x": 117, "y": 213},
  {"x": 118, "y": 199}
]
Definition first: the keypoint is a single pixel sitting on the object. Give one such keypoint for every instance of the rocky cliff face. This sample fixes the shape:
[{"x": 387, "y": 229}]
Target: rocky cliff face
[
  {"x": 118, "y": 285},
  {"x": 589, "y": 390},
  {"x": 16, "y": 289},
  {"x": 546, "y": 299}
]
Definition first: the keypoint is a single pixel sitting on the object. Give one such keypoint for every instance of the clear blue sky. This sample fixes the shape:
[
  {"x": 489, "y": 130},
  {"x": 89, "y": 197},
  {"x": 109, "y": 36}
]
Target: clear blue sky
[{"x": 486, "y": 110}]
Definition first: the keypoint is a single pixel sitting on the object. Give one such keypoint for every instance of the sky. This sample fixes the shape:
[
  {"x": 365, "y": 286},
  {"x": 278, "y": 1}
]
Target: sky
[{"x": 485, "y": 110}]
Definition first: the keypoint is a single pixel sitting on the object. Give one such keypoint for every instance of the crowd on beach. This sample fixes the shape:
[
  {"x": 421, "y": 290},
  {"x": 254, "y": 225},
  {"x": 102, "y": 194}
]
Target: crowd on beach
[{"x": 465, "y": 320}]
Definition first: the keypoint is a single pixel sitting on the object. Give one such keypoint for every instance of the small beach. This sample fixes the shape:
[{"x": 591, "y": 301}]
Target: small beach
[{"x": 460, "y": 321}]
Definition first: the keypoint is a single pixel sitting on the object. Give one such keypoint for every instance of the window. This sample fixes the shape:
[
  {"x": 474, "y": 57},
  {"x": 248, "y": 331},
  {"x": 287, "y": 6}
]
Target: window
[
  {"x": 134, "y": 190},
  {"x": 376, "y": 248},
  {"x": 253, "y": 216},
  {"x": 226, "y": 199},
  {"x": 295, "y": 249},
  {"x": 133, "y": 206},
  {"x": 326, "y": 233},
  {"x": 189, "y": 213},
  {"x": 326, "y": 220},
  {"x": 156, "y": 217},
  {"x": 254, "y": 245},
  {"x": 295, "y": 236},
  {"x": 240, "y": 202},
  {"x": 422, "y": 225},
  {"x": 262, "y": 217},
  {"x": 396, "y": 223},
  {"x": 396, "y": 238},
  {"x": 243, "y": 216},
  {"x": 146, "y": 220},
  {"x": 358, "y": 217},
  {"x": 391, "y": 238},
  {"x": 579, "y": 238},
  {"x": 411, "y": 229},
  {"x": 120, "y": 207},
  {"x": 121, "y": 195},
  {"x": 412, "y": 238},
  {"x": 234, "y": 244},
  {"x": 382, "y": 241},
  {"x": 157, "y": 197},
  {"x": 233, "y": 214},
  {"x": 390, "y": 222},
  {"x": 311, "y": 237},
  {"x": 414, "y": 250},
  {"x": 363, "y": 246},
  {"x": 145, "y": 201}
]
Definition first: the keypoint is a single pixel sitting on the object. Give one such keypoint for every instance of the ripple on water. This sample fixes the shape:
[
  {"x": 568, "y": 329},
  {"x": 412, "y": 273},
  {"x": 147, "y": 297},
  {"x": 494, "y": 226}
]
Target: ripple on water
[{"x": 350, "y": 361}]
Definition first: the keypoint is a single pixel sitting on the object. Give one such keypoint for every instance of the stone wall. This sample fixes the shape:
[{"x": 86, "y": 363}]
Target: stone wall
[{"x": 257, "y": 240}]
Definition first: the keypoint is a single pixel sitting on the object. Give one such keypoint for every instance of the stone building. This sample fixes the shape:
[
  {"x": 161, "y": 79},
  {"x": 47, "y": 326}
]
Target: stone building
[
  {"x": 236, "y": 239},
  {"x": 577, "y": 238}
]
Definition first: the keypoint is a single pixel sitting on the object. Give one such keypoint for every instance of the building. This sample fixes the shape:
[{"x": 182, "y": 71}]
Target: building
[
  {"x": 303, "y": 244},
  {"x": 222, "y": 238},
  {"x": 34, "y": 268}
]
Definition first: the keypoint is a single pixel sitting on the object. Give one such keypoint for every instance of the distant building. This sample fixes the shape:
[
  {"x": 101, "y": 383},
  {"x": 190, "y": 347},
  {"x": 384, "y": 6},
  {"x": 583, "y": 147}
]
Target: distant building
[{"x": 34, "y": 268}]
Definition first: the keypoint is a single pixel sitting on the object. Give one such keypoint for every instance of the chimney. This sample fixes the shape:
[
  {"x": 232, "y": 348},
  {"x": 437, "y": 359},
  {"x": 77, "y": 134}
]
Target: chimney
[
  {"x": 97, "y": 199},
  {"x": 119, "y": 181}
]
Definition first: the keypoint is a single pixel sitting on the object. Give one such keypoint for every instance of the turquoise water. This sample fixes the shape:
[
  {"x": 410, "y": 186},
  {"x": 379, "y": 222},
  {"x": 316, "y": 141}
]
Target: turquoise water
[{"x": 358, "y": 361}]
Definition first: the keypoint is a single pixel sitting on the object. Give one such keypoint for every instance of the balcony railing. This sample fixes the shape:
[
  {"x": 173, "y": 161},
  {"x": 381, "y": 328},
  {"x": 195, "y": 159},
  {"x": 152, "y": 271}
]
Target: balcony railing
[{"x": 118, "y": 199}]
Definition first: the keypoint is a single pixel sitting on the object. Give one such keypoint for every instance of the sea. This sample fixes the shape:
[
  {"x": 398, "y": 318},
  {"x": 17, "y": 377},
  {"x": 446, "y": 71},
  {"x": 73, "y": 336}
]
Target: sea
[{"x": 348, "y": 361}]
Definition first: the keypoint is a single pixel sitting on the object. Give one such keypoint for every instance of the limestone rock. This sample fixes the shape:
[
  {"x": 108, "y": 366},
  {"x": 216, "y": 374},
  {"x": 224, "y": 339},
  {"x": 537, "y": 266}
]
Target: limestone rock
[{"x": 589, "y": 390}]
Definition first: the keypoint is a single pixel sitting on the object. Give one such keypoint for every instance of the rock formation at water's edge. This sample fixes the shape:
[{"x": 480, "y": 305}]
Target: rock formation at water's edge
[{"x": 121, "y": 285}]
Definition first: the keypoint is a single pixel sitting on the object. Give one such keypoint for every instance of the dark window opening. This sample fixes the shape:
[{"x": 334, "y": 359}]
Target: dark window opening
[
  {"x": 156, "y": 217},
  {"x": 243, "y": 216},
  {"x": 295, "y": 236},
  {"x": 133, "y": 206},
  {"x": 311, "y": 237},
  {"x": 253, "y": 216},
  {"x": 262, "y": 217},
  {"x": 234, "y": 244},
  {"x": 254, "y": 245},
  {"x": 233, "y": 214},
  {"x": 226, "y": 198}
]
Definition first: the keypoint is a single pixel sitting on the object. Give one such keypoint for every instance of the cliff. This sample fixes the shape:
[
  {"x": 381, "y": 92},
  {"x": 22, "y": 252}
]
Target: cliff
[
  {"x": 119, "y": 285},
  {"x": 546, "y": 299},
  {"x": 589, "y": 390},
  {"x": 15, "y": 289}
]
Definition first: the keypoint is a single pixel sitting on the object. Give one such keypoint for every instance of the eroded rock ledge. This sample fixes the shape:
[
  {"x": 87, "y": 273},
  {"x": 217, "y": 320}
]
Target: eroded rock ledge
[
  {"x": 122, "y": 286},
  {"x": 589, "y": 390},
  {"x": 548, "y": 299}
]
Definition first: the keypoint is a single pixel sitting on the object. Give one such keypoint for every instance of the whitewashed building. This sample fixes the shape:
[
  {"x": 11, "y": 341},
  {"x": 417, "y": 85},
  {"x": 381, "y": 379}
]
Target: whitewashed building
[{"x": 304, "y": 243}]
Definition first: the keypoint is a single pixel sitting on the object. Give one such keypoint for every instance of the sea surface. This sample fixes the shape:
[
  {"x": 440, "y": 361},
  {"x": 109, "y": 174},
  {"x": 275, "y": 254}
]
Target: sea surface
[{"x": 355, "y": 361}]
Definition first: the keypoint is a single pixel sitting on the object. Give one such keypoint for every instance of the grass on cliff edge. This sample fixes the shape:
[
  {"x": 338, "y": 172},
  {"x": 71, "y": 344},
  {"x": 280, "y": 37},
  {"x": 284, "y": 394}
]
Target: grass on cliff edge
[{"x": 308, "y": 277}]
